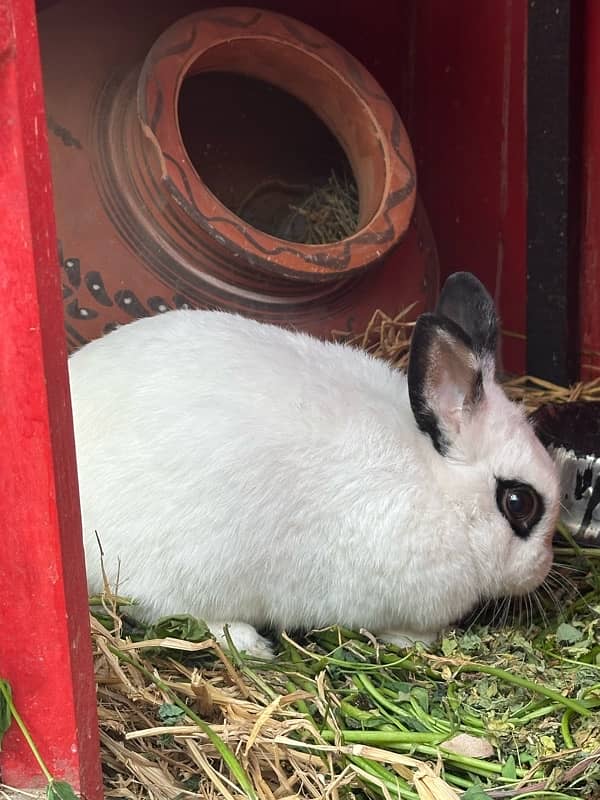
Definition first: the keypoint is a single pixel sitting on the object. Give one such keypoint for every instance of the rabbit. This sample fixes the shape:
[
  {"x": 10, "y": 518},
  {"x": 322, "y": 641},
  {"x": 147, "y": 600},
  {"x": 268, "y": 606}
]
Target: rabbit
[{"x": 255, "y": 476}]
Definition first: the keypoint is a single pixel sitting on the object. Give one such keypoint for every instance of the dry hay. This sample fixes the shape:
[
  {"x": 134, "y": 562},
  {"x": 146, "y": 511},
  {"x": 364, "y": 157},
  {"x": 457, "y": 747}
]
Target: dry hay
[
  {"x": 384, "y": 337},
  {"x": 511, "y": 709},
  {"x": 308, "y": 214},
  {"x": 388, "y": 338},
  {"x": 495, "y": 711},
  {"x": 256, "y": 717},
  {"x": 329, "y": 213}
]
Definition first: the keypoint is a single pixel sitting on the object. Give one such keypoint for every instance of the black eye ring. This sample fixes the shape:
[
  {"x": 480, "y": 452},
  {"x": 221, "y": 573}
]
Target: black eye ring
[{"x": 520, "y": 504}]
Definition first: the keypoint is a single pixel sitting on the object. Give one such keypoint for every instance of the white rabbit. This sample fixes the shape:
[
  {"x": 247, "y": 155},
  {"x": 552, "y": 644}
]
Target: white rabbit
[{"x": 250, "y": 475}]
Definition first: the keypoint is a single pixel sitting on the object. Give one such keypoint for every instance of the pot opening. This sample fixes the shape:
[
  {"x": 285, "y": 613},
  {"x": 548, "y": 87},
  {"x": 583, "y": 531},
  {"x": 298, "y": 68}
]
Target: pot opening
[
  {"x": 281, "y": 140},
  {"x": 268, "y": 158}
]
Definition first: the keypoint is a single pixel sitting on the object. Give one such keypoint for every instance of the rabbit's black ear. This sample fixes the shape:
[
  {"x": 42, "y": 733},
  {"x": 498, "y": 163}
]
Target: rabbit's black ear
[
  {"x": 466, "y": 301},
  {"x": 445, "y": 382}
]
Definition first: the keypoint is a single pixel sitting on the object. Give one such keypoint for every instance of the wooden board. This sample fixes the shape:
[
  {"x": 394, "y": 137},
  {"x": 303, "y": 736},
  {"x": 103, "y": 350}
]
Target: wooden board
[{"x": 45, "y": 649}]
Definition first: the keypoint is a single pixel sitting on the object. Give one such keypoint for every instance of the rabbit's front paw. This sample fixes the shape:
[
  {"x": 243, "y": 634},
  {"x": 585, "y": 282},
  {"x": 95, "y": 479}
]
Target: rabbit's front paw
[
  {"x": 245, "y": 638},
  {"x": 407, "y": 639}
]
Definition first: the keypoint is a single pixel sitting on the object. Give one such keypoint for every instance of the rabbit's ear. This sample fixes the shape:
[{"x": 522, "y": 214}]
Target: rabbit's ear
[
  {"x": 466, "y": 301},
  {"x": 445, "y": 382}
]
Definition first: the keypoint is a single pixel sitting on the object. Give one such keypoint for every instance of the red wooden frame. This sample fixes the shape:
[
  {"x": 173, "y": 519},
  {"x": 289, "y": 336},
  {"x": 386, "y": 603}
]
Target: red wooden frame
[
  {"x": 45, "y": 649},
  {"x": 465, "y": 110},
  {"x": 589, "y": 286}
]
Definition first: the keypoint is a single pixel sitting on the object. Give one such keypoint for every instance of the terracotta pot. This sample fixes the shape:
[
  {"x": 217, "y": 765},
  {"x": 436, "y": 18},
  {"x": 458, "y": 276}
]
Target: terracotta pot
[{"x": 140, "y": 229}]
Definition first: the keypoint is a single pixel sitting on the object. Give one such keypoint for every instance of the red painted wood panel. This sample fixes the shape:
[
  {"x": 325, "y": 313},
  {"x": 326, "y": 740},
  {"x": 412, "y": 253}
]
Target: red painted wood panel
[
  {"x": 589, "y": 285},
  {"x": 45, "y": 649},
  {"x": 456, "y": 72},
  {"x": 465, "y": 111}
]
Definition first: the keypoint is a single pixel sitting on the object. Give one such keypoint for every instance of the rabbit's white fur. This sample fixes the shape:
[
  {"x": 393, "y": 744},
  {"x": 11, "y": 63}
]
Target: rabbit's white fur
[{"x": 247, "y": 474}]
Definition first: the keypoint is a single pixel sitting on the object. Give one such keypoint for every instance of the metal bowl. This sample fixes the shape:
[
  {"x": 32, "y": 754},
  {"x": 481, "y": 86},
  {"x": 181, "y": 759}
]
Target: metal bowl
[{"x": 571, "y": 433}]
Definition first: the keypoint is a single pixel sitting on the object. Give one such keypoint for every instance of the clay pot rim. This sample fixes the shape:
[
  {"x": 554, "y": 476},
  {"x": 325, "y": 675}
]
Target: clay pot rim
[{"x": 167, "y": 65}]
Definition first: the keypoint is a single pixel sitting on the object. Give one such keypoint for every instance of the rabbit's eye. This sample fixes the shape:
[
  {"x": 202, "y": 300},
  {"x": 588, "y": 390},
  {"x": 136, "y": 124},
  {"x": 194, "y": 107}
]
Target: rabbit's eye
[{"x": 520, "y": 504}]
